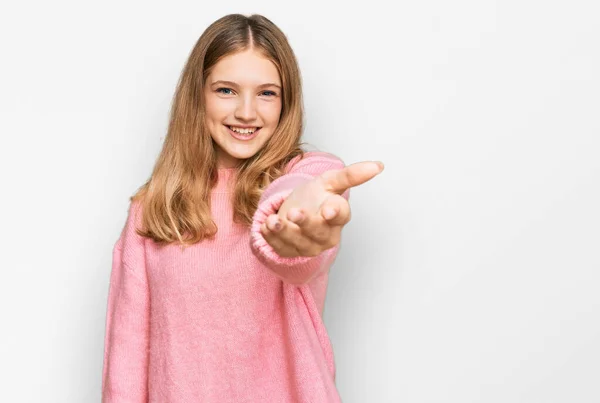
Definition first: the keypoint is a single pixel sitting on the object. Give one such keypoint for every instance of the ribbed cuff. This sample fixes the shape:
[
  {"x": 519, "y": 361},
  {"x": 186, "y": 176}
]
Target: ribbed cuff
[{"x": 295, "y": 270}]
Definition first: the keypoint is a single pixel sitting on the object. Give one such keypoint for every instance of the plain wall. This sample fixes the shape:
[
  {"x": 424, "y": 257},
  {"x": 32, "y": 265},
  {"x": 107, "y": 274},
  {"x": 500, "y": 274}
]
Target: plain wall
[{"x": 470, "y": 270}]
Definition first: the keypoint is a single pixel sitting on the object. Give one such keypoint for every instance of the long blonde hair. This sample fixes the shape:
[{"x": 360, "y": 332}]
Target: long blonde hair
[{"x": 175, "y": 201}]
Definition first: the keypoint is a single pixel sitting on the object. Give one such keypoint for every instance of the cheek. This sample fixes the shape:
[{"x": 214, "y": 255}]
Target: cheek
[
  {"x": 216, "y": 108},
  {"x": 271, "y": 112}
]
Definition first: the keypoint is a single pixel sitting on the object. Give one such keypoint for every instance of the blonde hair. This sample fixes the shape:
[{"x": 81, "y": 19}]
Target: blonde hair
[{"x": 175, "y": 201}]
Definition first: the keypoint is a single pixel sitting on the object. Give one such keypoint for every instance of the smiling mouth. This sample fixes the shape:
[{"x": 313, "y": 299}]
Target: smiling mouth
[
  {"x": 231, "y": 128},
  {"x": 242, "y": 136}
]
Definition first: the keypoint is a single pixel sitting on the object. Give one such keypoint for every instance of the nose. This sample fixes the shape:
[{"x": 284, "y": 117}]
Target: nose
[{"x": 246, "y": 109}]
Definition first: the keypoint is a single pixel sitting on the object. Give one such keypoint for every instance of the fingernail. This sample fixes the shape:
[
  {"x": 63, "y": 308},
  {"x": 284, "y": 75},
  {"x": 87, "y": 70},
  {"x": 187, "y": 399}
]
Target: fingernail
[
  {"x": 296, "y": 216},
  {"x": 329, "y": 212},
  {"x": 277, "y": 225}
]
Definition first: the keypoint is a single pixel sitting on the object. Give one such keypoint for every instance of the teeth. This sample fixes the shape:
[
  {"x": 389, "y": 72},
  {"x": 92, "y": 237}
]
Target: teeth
[{"x": 242, "y": 131}]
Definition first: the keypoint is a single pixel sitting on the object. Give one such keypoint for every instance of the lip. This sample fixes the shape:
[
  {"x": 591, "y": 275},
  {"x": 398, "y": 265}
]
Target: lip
[
  {"x": 243, "y": 126},
  {"x": 243, "y": 138}
]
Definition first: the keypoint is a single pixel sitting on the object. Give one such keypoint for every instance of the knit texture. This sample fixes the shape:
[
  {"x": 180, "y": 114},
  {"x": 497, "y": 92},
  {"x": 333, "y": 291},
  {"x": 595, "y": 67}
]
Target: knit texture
[{"x": 225, "y": 320}]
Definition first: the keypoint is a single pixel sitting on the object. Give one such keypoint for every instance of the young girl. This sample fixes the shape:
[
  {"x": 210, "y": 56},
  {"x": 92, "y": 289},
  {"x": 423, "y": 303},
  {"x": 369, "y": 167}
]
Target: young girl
[{"x": 219, "y": 275}]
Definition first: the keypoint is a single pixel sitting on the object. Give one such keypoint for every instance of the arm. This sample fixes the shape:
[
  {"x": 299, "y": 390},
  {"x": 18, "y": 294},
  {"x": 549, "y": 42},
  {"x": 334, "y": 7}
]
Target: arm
[
  {"x": 126, "y": 342},
  {"x": 301, "y": 269}
]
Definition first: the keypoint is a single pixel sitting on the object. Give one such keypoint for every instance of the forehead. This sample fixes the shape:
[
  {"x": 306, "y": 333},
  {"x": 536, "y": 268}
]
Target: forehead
[{"x": 247, "y": 68}]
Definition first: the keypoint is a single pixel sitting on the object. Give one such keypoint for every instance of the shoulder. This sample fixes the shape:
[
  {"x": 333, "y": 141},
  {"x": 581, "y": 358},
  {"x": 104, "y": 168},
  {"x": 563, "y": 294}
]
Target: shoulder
[
  {"x": 130, "y": 242},
  {"x": 135, "y": 212},
  {"x": 132, "y": 223},
  {"x": 314, "y": 160}
]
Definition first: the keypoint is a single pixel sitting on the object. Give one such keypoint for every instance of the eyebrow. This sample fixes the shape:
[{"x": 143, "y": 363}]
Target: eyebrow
[{"x": 231, "y": 83}]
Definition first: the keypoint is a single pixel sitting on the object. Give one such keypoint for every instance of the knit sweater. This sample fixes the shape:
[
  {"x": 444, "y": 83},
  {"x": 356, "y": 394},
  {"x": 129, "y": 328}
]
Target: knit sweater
[{"x": 225, "y": 320}]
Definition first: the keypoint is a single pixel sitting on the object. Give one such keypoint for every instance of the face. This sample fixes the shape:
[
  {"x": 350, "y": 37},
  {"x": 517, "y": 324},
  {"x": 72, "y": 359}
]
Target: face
[{"x": 242, "y": 91}]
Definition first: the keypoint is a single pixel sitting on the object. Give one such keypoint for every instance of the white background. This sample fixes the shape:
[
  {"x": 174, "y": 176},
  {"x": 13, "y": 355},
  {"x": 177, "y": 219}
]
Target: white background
[{"x": 470, "y": 271}]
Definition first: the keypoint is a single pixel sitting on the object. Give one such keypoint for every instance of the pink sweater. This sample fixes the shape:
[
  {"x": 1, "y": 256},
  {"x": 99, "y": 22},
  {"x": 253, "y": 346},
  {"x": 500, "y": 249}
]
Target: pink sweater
[{"x": 226, "y": 320}]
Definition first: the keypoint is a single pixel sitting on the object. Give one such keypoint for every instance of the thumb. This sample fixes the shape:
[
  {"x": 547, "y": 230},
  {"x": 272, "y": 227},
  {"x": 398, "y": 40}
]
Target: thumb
[{"x": 338, "y": 181}]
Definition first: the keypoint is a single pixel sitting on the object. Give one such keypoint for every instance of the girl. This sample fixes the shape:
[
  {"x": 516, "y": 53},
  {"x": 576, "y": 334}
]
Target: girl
[{"x": 219, "y": 275}]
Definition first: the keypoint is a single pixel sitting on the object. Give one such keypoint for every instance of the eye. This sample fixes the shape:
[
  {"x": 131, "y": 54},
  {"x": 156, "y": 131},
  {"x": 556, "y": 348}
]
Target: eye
[
  {"x": 223, "y": 88},
  {"x": 220, "y": 90}
]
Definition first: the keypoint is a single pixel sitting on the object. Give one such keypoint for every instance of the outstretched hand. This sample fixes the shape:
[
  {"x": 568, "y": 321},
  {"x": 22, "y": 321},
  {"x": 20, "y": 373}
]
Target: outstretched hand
[{"x": 311, "y": 218}]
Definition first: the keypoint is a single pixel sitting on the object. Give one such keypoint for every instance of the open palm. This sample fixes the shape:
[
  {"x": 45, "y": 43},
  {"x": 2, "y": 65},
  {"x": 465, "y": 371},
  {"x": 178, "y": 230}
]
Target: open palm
[{"x": 311, "y": 218}]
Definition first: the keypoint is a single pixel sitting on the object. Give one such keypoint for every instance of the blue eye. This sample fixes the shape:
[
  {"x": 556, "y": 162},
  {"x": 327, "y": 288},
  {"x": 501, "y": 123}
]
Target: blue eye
[{"x": 220, "y": 90}]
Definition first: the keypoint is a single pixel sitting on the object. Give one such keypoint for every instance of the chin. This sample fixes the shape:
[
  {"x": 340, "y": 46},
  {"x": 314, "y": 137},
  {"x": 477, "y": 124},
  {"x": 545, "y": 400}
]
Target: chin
[
  {"x": 240, "y": 150},
  {"x": 242, "y": 153}
]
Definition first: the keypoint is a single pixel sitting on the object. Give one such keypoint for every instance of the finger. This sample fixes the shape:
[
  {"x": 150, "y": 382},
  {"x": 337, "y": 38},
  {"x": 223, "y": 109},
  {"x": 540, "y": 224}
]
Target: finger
[
  {"x": 336, "y": 211},
  {"x": 338, "y": 181},
  {"x": 274, "y": 223},
  {"x": 314, "y": 226},
  {"x": 296, "y": 215},
  {"x": 278, "y": 245},
  {"x": 293, "y": 236},
  {"x": 285, "y": 236},
  {"x": 317, "y": 229}
]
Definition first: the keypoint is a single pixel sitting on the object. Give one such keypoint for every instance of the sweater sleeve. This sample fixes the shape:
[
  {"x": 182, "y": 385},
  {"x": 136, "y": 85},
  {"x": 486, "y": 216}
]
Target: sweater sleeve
[
  {"x": 301, "y": 269},
  {"x": 126, "y": 342}
]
